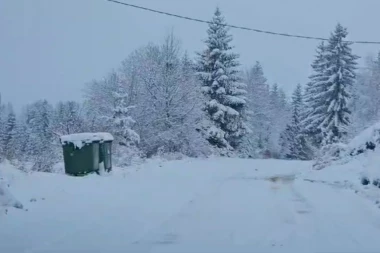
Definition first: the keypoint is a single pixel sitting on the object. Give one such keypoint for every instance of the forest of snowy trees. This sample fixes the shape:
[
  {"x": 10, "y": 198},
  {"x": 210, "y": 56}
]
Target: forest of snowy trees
[{"x": 162, "y": 101}]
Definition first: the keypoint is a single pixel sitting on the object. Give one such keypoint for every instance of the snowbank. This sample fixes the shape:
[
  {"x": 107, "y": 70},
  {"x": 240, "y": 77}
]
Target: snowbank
[
  {"x": 6, "y": 197},
  {"x": 80, "y": 139},
  {"x": 371, "y": 134},
  {"x": 356, "y": 166},
  {"x": 339, "y": 153},
  {"x": 336, "y": 153}
]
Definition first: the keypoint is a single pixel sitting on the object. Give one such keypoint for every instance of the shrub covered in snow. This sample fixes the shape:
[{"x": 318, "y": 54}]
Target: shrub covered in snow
[
  {"x": 331, "y": 154},
  {"x": 356, "y": 163},
  {"x": 127, "y": 156},
  {"x": 364, "y": 142}
]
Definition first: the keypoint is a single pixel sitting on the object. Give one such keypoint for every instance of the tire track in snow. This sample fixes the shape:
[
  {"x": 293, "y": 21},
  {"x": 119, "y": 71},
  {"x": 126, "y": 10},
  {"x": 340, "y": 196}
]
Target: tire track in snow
[
  {"x": 287, "y": 203},
  {"x": 306, "y": 224},
  {"x": 309, "y": 225},
  {"x": 333, "y": 220},
  {"x": 162, "y": 234},
  {"x": 280, "y": 218},
  {"x": 297, "y": 216},
  {"x": 308, "y": 221}
]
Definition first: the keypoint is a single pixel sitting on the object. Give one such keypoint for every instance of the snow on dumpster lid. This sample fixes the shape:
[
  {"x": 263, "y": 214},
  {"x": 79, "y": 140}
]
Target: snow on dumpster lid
[{"x": 81, "y": 138}]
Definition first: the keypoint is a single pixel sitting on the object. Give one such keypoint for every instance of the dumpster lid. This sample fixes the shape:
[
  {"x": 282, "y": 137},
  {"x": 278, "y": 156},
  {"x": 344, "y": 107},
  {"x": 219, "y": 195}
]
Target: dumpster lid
[{"x": 80, "y": 139}]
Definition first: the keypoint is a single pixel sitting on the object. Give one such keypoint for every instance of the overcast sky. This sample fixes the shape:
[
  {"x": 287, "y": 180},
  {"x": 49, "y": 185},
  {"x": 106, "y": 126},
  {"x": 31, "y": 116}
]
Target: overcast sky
[{"x": 51, "y": 48}]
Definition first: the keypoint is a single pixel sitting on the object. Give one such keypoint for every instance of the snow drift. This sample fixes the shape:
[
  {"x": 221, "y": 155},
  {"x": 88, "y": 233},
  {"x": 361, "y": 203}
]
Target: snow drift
[
  {"x": 365, "y": 143},
  {"x": 354, "y": 165},
  {"x": 6, "y": 197}
]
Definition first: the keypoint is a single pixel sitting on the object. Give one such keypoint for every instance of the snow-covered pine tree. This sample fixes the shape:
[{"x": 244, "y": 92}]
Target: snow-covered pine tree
[
  {"x": 193, "y": 143},
  {"x": 3, "y": 117},
  {"x": 274, "y": 96},
  {"x": 217, "y": 69},
  {"x": 315, "y": 104},
  {"x": 43, "y": 145},
  {"x": 283, "y": 101},
  {"x": 9, "y": 134},
  {"x": 375, "y": 83},
  {"x": 339, "y": 79},
  {"x": 72, "y": 119},
  {"x": 67, "y": 118},
  {"x": 258, "y": 111},
  {"x": 292, "y": 141},
  {"x": 366, "y": 97},
  {"x": 297, "y": 104},
  {"x": 121, "y": 123},
  {"x": 377, "y": 67},
  {"x": 122, "y": 120},
  {"x": 22, "y": 139},
  {"x": 287, "y": 141},
  {"x": 279, "y": 117}
]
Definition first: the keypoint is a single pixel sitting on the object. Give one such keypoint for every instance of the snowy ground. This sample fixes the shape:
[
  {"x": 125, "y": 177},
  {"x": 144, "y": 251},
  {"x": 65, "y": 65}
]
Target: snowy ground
[{"x": 216, "y": 205}]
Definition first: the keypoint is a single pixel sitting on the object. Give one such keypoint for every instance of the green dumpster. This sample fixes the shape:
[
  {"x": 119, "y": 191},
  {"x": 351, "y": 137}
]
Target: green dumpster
[
  {"x": 84, "y": 153},
  {"x": 105, "y": 155}
]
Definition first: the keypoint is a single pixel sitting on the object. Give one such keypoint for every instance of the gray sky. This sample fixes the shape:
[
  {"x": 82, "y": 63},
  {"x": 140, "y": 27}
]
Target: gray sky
[{"x": 51, "y": 48}]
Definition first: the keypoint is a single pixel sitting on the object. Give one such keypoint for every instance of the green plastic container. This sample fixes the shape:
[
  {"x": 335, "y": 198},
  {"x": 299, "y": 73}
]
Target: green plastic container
[
  {"x": 79, "y": 162},
  {"x": 83, "y": 153},
  {"x": 105, "y": 155}
]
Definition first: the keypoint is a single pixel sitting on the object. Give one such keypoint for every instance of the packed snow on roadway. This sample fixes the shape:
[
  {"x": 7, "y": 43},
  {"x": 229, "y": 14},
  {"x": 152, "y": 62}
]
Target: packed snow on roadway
[{"x": 199, "y": 205}]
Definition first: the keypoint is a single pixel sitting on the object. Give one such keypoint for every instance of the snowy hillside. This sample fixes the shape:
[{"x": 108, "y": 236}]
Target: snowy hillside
[
  {"x": 6, "y": 198},
  {"x": 358, "y": 163},
  {"x": 211, "y": 205}
]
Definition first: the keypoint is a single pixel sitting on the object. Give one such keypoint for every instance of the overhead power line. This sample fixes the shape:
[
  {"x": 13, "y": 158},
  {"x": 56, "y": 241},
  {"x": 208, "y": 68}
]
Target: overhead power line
[{"x": 238, "y": 27}]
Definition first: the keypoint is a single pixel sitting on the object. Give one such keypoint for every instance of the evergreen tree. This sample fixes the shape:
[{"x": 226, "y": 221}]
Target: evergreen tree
[
  {"x": 22, "y": 140},
  {"x": 120, "y": 125},
  {"x": 375, "y": 84},
  {"x": 292, "y": 140},
  {"x": 42, "y": 147},
  {"x": 366, "y": 97},
  {"x": 9, "y": 134},
  {"x": 279, "y": 118},
  {"x": 314, "y": 104},
  {"x": 340, "y": 77},
  {"x": 222, "y": 86},
  {"x": 297, "y": 104},
  {"x": 258, "y": 110},
  {"x": 285, "y": 142},
  {"x": 67, "y": 118},
  {"x": 3, "y": 118},
  {"x": 377, "y": 66},
  {"x": 329, "y": 91},
  {"x": 274, "y": 97},
  {"x": 122, "y": 121}
]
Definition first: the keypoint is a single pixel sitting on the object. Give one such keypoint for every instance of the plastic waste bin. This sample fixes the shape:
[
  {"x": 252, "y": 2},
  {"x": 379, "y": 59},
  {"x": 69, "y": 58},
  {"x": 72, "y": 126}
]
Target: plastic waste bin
[{"x": 82, "y": 152}]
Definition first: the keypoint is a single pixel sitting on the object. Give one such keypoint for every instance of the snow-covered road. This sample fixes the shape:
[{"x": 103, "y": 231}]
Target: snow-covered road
[{"x": 216, "y": 205}]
